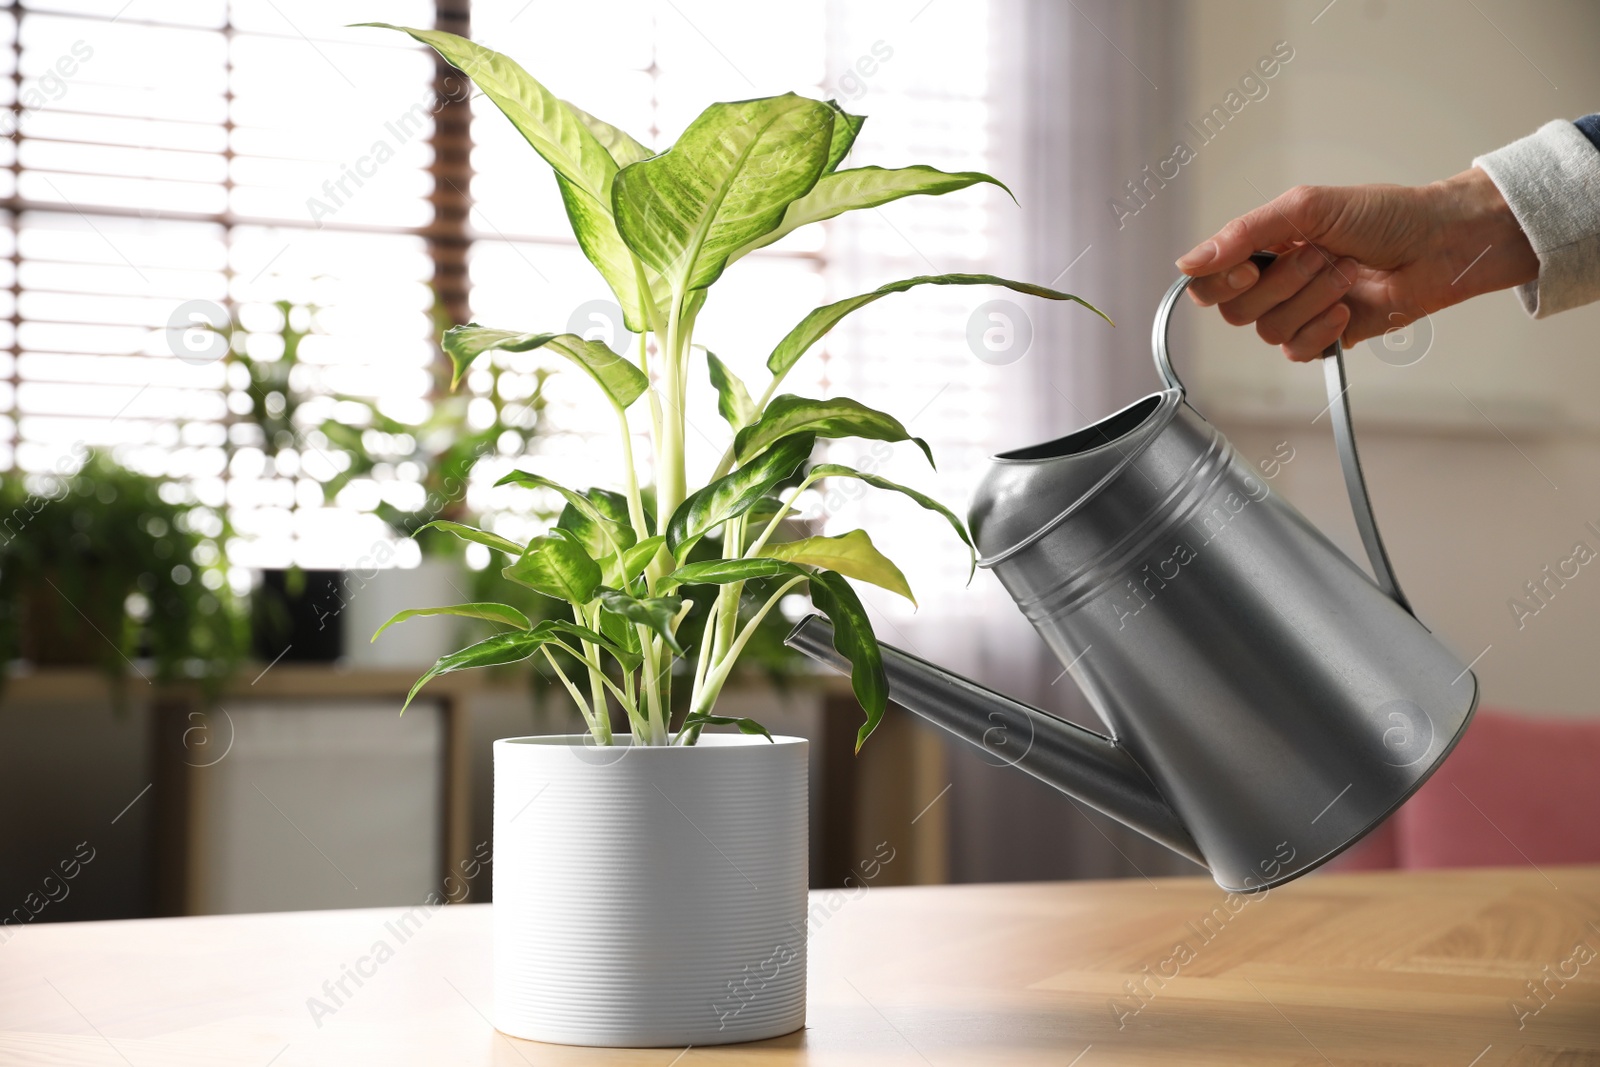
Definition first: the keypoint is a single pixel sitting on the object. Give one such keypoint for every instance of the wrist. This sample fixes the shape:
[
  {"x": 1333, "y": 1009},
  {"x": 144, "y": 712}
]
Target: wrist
[{"x": 1479, "y": 236}]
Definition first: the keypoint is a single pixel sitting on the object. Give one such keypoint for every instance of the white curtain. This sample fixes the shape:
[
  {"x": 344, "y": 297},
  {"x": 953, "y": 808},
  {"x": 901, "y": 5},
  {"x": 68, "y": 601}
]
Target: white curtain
[{"x": 1087, "y": 92}]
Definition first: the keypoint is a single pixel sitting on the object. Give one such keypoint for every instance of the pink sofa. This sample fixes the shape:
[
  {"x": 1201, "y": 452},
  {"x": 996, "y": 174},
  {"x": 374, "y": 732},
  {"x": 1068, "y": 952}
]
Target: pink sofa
[{"x": 1518, "y": 790}]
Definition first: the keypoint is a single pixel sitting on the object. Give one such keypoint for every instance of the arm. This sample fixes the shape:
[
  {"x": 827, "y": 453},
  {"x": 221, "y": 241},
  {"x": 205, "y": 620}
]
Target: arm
[
  {"x": 1551, "y": 180},
  {"x": 1360, "y": 260}
]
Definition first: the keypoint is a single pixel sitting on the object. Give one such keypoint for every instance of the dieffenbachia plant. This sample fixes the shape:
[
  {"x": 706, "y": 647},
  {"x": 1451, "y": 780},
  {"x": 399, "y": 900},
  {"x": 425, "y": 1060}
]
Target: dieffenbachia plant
[{"x": 661, "y": 228}]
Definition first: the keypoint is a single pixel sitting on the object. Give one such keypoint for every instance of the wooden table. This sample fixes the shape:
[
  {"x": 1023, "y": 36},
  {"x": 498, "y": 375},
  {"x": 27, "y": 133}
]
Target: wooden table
[{"x": 1392, "y": 968}]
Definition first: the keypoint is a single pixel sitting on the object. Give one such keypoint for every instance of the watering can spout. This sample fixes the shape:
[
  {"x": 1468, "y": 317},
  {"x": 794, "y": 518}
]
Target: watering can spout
[{"x": 1081, "y": 763}]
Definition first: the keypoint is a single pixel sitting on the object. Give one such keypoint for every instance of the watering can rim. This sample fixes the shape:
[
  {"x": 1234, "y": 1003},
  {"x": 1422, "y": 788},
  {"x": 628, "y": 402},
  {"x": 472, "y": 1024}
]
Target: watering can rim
[
  {"x": 1149, "y": 428},
  {"x": 1168, "y": 401}
]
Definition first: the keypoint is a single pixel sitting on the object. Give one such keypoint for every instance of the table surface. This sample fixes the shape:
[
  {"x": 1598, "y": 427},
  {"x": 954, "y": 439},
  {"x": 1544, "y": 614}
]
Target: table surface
[{"x": 1388, "y": 968}]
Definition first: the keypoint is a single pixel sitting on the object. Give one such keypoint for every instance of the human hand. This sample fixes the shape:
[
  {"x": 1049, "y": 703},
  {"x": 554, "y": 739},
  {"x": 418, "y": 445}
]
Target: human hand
[{"x": 1356, "y": 261}]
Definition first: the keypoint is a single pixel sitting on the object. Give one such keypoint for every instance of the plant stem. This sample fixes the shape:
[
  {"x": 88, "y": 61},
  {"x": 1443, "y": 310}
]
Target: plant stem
[
  {"x": 686, "y": 328},
  {"x": 772, "y": 526},
  {"x": 647, "y": 300},
  {"x": 728, "y": 596},
  {"x": 592, "y": 664},
  {"x": 671, "y": 482},
  {"x": 635, "y": 501},
  {"x": 637, "y": 726},
  {"x": 766, "y": 396},
  {"x": 652, "y": 688},
  {"x": 669, "y": 449},
  {"x": 725, "y": 464},
  {"x": 663, "y": 669},
  {"x": 703, "y": 662},
  {"x": 601, "y": 726},
  {"x": 655, "y": 413},
  {"x": 650, "y": 393},
  {"x": 724, "y": 613},
  {"x": 583, "y": 707},
  {"x": 719, "y": 673}
]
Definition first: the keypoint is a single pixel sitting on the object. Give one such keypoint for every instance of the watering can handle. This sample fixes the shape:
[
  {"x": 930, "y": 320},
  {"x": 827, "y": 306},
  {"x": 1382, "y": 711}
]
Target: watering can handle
[{"x": 1338, "y": 410}]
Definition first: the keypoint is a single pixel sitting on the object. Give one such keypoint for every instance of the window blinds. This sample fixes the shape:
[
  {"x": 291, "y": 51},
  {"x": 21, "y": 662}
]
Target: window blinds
[{"x": 199, "y": 154}]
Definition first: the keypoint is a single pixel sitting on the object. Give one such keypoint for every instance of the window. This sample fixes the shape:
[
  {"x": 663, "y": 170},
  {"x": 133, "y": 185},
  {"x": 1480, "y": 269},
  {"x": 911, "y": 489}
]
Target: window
[
  {"x": 239, "y": 154},
  {"x": 162, "y": 164}
]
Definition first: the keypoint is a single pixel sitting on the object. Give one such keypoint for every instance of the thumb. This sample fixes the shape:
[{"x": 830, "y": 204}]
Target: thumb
[{"x": 1297, "y": 216}]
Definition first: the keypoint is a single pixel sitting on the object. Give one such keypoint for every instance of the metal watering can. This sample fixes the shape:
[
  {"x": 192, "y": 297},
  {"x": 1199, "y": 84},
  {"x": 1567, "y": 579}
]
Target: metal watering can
[{"x": 1266, "y": 704}]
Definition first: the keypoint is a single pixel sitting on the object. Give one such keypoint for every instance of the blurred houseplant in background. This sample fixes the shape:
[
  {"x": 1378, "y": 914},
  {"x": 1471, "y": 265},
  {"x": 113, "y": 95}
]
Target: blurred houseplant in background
[
  {"x": 107, "y": 566},
  {"x": 501, "y": 416},
  {"x": 265, "y": 378},
  {"x": 290, "y": 607},
  {"x": 406, "y": 471}
]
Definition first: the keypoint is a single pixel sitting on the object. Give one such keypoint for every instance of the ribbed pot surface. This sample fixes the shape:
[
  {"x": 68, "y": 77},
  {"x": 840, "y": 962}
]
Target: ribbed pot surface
[{"x": 650, "y": 896}]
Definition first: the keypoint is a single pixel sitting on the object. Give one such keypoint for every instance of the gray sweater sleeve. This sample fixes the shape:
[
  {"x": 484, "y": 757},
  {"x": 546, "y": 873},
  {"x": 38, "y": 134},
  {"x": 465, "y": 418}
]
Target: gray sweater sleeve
[{"x": 1551, "y": 180}]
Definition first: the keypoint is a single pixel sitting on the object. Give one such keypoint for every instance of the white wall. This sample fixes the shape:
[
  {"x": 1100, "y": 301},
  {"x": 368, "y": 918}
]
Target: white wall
[{"x": 1472, "y": 505}]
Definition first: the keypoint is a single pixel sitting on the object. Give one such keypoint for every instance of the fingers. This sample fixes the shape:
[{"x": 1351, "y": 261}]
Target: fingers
[
  {"x": 1280, "y": 324},
  {"x": 1301, "y": 214},
  {"x": 1315, "y": 336},
  {"x": 1292, "y": 272},
  {"x": 1216, "y": 288},
  {"x": 1375, "y": 310}
]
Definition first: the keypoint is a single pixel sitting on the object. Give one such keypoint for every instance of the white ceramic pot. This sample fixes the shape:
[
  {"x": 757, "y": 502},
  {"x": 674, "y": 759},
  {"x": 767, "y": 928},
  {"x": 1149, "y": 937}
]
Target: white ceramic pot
[
  {"x": 373, "y": 597},
  {"x": 650, "y": 896}
]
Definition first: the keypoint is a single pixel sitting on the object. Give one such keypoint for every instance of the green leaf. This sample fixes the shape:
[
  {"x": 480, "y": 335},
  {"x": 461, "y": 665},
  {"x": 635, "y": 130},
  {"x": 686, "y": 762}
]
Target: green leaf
[
  {"x": 473, "y": 534},
  {"x": 767, "y": 508},
  {"x": 621, "y": 632},
  {"x": 855, "y": 641},
  {"x": 746, "y": 726},
  {"x": 846, "y": 127},
  {"x": 619, "y": 379},
  {"x": 734, "y": 494},
  {"x": 547, "y": 123},
  {"x": 733, "y": 399},
  {"x": 821, "y": 320},
  {"x": 625, "y": 654},
  {"x": 726, "y": 181},
  {"x": 839, "y": 470},
  {"x": 637, "y": 558},
  {"x": 557, "y": 567},
  {"x": 643, "y": 294},
  {"x": 840, "y": 417},
  {"x": 724, "y": 571},
  {"x": 585, "y": 169},
  {"x": 501, "y": 648},
  {"x": 600, "y": 539},
  {"x": 622, "y": 147},
  {"x": 513, "y": 647},
  {"x": 657, "y": 613},
  {"x": 863, "y": 187},
  {"x": 501, "y": 613},
  {"x": 618, "y": 531},
  {"x": 851, "y": 554},
  {"x": 611, "y": 504}
]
